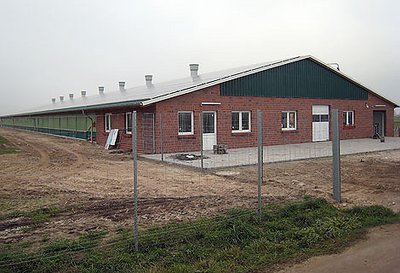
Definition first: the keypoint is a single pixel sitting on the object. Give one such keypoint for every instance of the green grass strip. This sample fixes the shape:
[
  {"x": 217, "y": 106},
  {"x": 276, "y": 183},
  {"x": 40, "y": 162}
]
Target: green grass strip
[{"x": 237, "y": 241}]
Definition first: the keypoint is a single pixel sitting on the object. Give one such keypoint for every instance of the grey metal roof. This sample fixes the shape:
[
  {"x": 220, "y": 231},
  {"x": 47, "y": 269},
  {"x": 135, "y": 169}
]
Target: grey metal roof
[{"x": 144, "y": 95}]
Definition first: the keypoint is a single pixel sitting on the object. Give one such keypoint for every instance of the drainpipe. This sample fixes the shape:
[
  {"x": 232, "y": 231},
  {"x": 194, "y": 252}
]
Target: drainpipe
[{"x": 91, "y": 127}]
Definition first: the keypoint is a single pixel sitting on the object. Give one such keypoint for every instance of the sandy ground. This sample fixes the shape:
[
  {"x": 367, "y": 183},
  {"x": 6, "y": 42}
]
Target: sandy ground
[
  {"x": 95, "y": 188},
  {"x": 378, "y": 253},
  {"x": 369, "y": 178}
]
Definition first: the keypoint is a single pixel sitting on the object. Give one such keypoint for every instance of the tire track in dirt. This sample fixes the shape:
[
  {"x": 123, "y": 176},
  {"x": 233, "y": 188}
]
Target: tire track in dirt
[
  {"x": 57, "y": 151},
  {"x": 167, "y": 208},
  {"x": 80, "y": 158},
  {"x": 16, "y": 140}
]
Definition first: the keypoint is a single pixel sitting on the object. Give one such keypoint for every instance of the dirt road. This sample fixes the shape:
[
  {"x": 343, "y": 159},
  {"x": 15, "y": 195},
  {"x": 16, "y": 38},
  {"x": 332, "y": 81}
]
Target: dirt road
[
  {"x": 379, "y": 253},
  {"x": 94, "y": 188}
]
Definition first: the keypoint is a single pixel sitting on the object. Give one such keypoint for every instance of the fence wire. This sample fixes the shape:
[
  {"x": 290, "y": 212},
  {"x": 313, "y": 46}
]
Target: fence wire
[{"x": 199, "y": 164}]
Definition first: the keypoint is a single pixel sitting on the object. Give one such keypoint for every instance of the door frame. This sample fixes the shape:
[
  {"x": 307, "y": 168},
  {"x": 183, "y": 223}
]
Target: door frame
[
  {"x": 329, "y": 121},
  {"x": 215, "y": 127},
  {"x": 383, "y": 120}
]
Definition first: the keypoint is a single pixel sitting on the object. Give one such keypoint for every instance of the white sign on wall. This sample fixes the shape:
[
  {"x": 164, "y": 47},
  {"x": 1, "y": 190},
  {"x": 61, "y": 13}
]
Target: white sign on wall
[{"x": 112, "y": 138}]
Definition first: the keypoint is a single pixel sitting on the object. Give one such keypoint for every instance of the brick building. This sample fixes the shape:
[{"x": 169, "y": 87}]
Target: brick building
[{"x": 296, "y": 96}]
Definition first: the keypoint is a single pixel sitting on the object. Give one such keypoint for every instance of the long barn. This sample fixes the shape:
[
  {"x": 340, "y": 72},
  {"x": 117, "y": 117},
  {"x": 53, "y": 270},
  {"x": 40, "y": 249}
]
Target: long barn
[{"x": 296, "y": 96}]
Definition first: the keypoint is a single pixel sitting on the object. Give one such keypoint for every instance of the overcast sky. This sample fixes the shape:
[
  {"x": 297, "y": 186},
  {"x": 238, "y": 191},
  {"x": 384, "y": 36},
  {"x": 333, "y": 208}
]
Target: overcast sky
[{"x": 55, "y": 47}]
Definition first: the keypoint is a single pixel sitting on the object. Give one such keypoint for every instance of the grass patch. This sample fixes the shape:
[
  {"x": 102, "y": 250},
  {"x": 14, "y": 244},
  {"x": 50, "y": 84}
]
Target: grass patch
[
  {"x": 36, "y": 217},
  {"x": 237, "y": 241},
  {"x": 4, "y": 149},
  {"x": 3, "y": 140},
  {"x": 7, "y": 150}
]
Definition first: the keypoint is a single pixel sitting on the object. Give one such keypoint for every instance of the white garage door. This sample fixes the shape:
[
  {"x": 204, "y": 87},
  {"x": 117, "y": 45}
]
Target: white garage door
[{"x": 320, "y": 122}]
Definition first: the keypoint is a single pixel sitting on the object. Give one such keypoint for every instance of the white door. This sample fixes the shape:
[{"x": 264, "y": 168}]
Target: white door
[
  {"x": 320, "y": 123},
  {"x": 209, "y": 130}
]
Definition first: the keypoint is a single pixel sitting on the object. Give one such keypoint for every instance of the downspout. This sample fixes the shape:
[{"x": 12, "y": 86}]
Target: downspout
[{"x": 91, "y": 127}]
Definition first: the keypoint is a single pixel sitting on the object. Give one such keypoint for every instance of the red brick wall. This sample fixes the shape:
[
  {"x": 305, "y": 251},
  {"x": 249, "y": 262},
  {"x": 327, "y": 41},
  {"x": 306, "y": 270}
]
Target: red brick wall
[
  {"x": 118, "y": 122},
  {"x": 271, "y": 107}
]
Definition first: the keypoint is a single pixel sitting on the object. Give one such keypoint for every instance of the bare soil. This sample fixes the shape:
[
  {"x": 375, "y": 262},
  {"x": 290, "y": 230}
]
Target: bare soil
[
  {"x": 94, "y": 188},
  {"x": 378, "y": 253}
]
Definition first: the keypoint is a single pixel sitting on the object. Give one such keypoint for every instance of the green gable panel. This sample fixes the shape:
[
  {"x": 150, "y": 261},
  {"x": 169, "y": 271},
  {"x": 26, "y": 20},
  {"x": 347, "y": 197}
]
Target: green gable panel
[{"x": 302, "y": 79}]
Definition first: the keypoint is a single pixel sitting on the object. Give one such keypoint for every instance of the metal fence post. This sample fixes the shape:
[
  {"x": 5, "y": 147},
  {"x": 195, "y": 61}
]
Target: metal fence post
[
  {"x": 201, "y": 140},
  {"x": 260, "y": 157},
  {"x": 336, "y": 156},
  {"x": 161, "y": 138},
  {"x": 135, "y": 180}
]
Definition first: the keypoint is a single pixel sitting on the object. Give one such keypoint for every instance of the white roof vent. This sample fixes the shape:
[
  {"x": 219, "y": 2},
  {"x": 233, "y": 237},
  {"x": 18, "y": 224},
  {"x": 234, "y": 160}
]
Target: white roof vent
[
  {"x": 71, "y": 96},
  {"x": 149, "y": 79},
  {"x": 194, "y": 70},
  {"x": 83, "y": 93},
  {"x": 61, "y": 98},
  {"x": 101, "y": 90},
  {"x": 53, "y": 100},
  {"x": 121, "y": 86}
]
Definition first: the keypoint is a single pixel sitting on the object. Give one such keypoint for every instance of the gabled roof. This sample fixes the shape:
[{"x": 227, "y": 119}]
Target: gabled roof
[{"x": 143, "y": 95}]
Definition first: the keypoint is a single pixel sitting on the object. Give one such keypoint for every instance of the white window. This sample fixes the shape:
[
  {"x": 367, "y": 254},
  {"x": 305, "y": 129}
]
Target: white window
[
  {"x": 185, "y": 123},
  {"x": 241, "y": 121},
  {"x": 289, "y": 120},
  {"x": 128, "y": 123},
  {"x": 348, "y": 118},
  {"x": 107, "y": 122}
]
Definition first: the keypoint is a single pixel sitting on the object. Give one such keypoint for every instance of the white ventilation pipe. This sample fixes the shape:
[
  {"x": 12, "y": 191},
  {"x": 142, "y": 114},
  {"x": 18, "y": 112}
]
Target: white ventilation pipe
[
  {"x": 194, "y": 70},
  {"x": 149, "y": 79},
  {"x": 121, "y": 86}
]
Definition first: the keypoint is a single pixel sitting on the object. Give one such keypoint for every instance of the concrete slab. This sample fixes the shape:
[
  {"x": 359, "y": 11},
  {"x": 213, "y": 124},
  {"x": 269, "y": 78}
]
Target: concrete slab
[{"x": 280, "y": 153}]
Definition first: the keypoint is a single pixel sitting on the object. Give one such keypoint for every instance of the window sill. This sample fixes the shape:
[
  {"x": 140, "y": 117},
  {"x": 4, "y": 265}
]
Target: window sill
[
  {"x": 288, "y": 131},
  {"x": 241, "y": 133},
  {"x": 192, "y": 136},
  {"x": 127, "y": 135},
  {"x": 348, "y": 127}
]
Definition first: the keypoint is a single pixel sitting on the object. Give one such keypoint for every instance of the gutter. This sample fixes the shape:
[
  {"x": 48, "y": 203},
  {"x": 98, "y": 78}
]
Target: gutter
[{"x": 91, "y": 127}]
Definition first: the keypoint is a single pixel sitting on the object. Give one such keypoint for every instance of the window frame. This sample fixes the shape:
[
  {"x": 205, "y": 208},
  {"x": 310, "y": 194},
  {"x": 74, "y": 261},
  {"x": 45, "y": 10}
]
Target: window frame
[
  {"x": 191, "y": 125},
  {"x": 107, "y": 121},
  {"x": 127, "y": 124},
  {"x": 288, "y": 121},
  {"x": 240, "y": 130},
  {"x": 346, "y": 118}
]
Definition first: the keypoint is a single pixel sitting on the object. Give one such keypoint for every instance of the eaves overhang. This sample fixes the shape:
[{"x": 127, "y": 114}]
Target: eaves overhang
[{"x": 80, "y": 108}]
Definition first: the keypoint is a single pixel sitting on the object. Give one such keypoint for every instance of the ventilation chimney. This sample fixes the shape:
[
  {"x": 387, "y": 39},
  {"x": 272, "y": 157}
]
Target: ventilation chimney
[
  {"x": 121, "y": 86},
  {"x": 53, "y": 100},
  {"x": 101, "y": 90},
  {"x": 194, "y": 70},
  {"x": 61, "y": 98},
  {"x": 83, "y": 93},
  {"x": 71, "y": 96},
  {"x": 148, "y": 79}
]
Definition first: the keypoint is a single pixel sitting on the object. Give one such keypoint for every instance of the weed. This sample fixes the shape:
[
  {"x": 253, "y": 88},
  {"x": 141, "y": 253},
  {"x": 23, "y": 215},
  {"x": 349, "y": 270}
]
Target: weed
[
  {"x": 3, "y": 140},
  {"x": 4, "y": 149}
]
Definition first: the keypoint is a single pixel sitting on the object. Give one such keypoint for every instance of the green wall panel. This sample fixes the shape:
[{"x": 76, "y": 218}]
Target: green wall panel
[
  {"x": 72, "y": 126},
  {"x": 302, "y": 79}
]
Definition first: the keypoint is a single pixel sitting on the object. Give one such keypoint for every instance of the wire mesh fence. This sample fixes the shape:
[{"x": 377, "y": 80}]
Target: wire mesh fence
[
  {"x": 222, "y": 139},
  {"x": 199, "y": 164}
]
